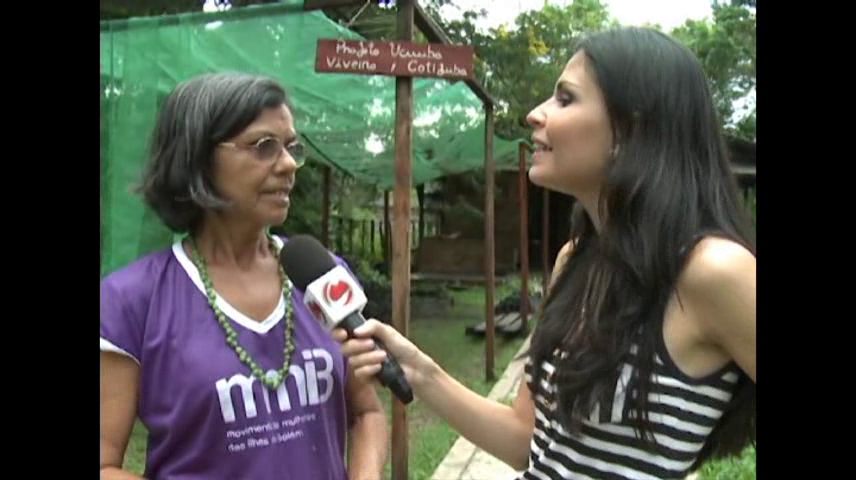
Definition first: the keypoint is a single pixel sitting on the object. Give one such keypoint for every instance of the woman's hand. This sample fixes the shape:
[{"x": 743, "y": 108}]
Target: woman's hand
[{"x": 366, "y": 361}]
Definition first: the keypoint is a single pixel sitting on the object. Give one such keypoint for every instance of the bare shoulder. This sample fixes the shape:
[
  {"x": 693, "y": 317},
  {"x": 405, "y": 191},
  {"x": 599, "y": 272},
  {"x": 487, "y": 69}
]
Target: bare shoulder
[
  {"x": 718, "y": 288},
  {"x": 716, "y": 265}
]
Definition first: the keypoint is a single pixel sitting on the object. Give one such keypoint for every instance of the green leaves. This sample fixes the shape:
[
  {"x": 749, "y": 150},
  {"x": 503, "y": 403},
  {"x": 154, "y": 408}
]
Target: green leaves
[
  {"x": 726, "y": 48},
  {"x": 519, "y": 64}
]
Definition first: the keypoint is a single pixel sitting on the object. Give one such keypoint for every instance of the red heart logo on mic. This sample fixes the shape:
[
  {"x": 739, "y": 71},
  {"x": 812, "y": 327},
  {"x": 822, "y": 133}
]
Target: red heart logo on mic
[{"x": 338, "y": 290}]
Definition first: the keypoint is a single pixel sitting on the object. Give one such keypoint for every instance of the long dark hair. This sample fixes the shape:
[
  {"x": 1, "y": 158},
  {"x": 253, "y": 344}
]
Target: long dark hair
[{"x": 668, "y": 183}]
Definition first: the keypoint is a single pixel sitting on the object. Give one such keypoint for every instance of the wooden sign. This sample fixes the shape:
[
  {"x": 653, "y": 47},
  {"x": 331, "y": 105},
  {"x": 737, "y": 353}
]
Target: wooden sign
[{"x": 400, "y": 59}]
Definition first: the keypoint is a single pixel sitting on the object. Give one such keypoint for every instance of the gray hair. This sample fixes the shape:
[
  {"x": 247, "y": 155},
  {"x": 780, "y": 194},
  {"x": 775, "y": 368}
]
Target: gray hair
[{"x": 196, "y": 116}]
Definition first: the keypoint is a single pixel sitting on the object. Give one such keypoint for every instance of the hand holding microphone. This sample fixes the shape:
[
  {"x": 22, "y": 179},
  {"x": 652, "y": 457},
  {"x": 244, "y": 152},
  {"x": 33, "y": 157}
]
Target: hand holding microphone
[
  {"x": 367, "y": 360},
  {"x": 336, "y": 300}
]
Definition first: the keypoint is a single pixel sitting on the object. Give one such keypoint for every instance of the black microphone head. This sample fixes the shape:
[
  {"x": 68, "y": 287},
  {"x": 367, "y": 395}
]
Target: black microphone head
[{"x": 304, "y": 260}]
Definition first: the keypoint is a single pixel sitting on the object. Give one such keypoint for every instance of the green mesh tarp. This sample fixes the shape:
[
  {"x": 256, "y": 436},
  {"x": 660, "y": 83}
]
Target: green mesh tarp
[{"x": 346, "y": 120}]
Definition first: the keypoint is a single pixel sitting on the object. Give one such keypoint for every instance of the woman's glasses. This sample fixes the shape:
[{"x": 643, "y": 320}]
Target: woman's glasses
[{"x": 270, "y": 148}]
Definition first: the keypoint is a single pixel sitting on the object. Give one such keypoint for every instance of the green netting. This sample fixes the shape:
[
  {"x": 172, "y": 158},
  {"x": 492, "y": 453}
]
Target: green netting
[{"x": 346, "y": 120}]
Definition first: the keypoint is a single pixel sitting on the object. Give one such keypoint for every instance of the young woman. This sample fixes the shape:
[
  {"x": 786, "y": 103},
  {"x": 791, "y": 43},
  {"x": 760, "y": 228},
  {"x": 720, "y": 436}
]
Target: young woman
[{"x": 642, "y": 364}]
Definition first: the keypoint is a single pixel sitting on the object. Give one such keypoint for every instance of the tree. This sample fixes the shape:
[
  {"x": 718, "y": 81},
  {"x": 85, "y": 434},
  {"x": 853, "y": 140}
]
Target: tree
[
  {"x": 726, "y": 48},
  {"x": 520, "y": 66},
  {"x": 113, "y": 9}
]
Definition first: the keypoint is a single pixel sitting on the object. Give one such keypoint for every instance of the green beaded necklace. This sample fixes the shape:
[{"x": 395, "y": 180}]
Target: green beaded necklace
[{"x": 273, "y": 379}]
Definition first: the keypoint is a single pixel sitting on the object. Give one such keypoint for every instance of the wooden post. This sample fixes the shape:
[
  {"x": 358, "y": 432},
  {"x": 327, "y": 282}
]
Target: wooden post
[
  {"x": 339, "y": 234},
  {"x": 401, "y": 227},
  {"x": 420, "y": 194},
  {"x": 372, "y": 238},
  {"x": 522, "y": 177},
  {"x": 402, "y": 60},
  {"x": 363, "y": 233},
  {"x": 325, "y": 207},
  {"x": 350, "y": 235},
  {"x": 386, "y": 234},
  {"x": 489, "y": 235},
  {"x": 545, "y": 232}
]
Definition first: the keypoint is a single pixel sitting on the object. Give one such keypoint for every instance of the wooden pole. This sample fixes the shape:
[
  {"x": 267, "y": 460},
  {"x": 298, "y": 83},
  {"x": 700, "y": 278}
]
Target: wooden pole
[
  {"x": 363, "y": 234},
  {"x": 401, "y": 227},
  {"x": 372, "y": 238},
  {"x": 386, "y": 231},
  {"x": 325, "y": 207},
  {"x": 350, "y": 236},
  {"x": 420, "y": 194},
  {"x": 545, "y": 233},
  {"x": 489, "y": 235},
  {"x": 522, "y": 178}
]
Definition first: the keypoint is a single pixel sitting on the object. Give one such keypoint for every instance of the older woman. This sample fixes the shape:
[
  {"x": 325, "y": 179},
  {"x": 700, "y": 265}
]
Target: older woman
[{"x": 206, "y": 342}]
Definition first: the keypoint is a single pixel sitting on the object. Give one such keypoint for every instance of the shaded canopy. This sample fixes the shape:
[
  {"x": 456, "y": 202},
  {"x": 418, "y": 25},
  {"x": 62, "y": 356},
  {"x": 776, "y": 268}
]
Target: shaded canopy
[{"x": 346, "y": 120}]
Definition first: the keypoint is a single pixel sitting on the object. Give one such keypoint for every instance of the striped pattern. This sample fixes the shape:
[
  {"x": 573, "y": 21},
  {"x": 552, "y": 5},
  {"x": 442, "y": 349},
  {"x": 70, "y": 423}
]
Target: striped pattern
[{"x": 683, "y": 412}]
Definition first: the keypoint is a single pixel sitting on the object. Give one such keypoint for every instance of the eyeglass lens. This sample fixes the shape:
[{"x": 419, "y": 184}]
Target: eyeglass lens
[{"x": 271, "y": 148}]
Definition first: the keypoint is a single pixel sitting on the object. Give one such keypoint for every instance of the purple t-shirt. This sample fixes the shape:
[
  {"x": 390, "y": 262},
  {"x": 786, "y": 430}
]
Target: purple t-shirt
[{"x": 207, "y": 417}]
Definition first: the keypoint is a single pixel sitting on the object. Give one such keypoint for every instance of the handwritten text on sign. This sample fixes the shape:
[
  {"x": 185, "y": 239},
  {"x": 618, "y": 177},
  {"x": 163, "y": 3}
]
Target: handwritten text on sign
[{"x": 404, "y": 59}]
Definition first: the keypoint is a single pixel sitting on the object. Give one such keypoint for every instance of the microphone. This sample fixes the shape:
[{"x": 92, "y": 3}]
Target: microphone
[{"x": 336, "y": 300}]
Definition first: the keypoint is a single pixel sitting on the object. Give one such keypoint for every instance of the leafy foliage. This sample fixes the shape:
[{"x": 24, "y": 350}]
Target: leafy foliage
[
  {"x": 737, "y": 468},
  {"x": 726, "y": 48},
  {"x": 519, "y": 65}
]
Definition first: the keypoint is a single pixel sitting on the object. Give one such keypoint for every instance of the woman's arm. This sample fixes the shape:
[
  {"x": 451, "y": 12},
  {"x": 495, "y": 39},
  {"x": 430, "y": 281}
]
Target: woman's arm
[
  {"x": 504, "y": 432},
  {"x": 498, "y": 429},
  {"x": 718, "y": 289},
  {"x": 120, "y": 378},
  {"x": 367, "y": 446}
]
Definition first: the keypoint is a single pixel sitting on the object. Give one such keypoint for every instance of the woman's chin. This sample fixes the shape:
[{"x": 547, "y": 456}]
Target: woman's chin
[
  {"x": 537, "y": 175},
  {"x": 274, "y": 217}
]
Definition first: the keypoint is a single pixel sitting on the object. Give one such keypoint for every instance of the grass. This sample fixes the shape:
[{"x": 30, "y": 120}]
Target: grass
[
  {"x": 740, "y": 468},
  {"x": 463, "y": 357},
  {"x": 135, "y": 455},
  {"x": 443, "y": 339}
]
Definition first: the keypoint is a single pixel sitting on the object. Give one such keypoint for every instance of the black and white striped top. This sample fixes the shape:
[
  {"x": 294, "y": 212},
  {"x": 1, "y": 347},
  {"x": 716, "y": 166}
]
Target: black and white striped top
[{"x": 683, "y": 412}]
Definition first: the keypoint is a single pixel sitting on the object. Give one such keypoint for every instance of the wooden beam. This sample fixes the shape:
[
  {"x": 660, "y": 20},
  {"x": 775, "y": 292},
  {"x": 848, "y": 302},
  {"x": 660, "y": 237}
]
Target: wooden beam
[
  {"x": 743, "y": 169},
  {"x": 435, "y": 34},
  {"x": 523, "y": 193},
  {"x": 489, "y": 239},
  {"x": 401, "y": 231},
  {"x": 387, "y": 233},
  {"x": 320, "y": 4},
  {"x": 545, "y": 233}
]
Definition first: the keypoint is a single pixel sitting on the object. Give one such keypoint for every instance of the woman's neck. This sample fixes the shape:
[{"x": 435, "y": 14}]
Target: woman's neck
[
  {"x": 591, "y": 206},
  {"x": 224, "y": 244}
]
